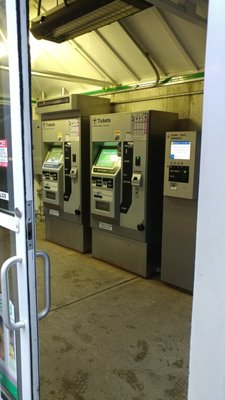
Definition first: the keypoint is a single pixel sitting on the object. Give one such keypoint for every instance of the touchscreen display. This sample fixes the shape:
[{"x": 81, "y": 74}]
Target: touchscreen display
[
  {"x": 180, "y": 150},
  {"x": 107, "y": 158},
  {"x": 55, "y": 155}
]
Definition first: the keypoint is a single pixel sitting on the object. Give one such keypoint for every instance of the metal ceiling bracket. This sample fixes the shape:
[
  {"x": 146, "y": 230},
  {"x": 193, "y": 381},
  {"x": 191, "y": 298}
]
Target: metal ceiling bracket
[
  {"x": 67, "y": 78},
  {"x": 70, "y": 78},
  {"x": 142, "y": 50},
  {"x": 76, "y": 46},
  {"x": 176, "y": 40},
  {"x": 118, "y": 56}
]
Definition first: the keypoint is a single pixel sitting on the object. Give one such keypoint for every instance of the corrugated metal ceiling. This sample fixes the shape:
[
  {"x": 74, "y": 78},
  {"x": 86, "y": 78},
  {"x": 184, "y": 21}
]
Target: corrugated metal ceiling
[{"x": 172, "y": 34}]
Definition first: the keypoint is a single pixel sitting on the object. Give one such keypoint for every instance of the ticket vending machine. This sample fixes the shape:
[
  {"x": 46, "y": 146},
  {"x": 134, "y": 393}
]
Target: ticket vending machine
[
  {"x": 127, "y": 156},
  {"x": 182, "y": 156},
  {"x": 65, "y": 125}
]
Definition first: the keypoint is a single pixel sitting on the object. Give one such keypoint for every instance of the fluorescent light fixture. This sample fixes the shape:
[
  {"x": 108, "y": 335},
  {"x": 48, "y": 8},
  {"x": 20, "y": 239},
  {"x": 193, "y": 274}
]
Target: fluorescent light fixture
[
  {"x": 3, "y": 50},
  {"x": 66, "y": 22},
  {"x": 3, "y": 45},
  {"x": 35, "y": 48}
]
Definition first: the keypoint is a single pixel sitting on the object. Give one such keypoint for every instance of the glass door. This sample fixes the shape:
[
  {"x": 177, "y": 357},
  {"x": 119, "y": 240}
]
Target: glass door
[{"x": 19, "y": 363}]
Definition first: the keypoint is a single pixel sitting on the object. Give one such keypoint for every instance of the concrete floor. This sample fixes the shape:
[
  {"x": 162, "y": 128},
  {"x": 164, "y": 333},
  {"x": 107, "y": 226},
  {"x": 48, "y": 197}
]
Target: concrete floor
[{"x": 111, "y": 335}]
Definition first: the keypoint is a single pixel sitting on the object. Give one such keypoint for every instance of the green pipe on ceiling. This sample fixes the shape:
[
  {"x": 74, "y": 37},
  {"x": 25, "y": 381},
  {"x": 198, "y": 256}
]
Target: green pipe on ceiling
[
  {"x": 166, "y": 81},
  {"x": 182, "y": 78}
]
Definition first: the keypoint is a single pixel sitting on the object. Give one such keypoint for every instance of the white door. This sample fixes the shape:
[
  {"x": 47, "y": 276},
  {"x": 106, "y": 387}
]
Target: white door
[
  {"x": 207, "y": 353},
  {"x": 19, "y": 363}
]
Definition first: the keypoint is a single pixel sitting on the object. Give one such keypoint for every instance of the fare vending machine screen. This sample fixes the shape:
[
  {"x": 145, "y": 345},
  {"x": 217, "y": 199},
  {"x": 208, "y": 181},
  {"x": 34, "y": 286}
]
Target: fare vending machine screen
[
  {"x": 180, "y": 150},
  {"x": 55, "y": 155},
  {"x": 107, "y": 158}
]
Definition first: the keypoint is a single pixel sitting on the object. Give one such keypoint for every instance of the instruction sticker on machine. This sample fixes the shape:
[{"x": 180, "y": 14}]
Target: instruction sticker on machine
[
  {"x": 54, "y": 212},
  {"x": 74, "y": 128},
  {"x": 103, "y": 225},
  {"x": 4, "y": 196},
  {"x": 3, "y": 153},
  {"x": 103, "y": 195}
]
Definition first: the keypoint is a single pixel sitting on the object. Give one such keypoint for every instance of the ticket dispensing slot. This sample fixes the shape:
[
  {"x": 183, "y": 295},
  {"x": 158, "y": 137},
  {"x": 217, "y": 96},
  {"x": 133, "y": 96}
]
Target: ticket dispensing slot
[
  {"x": 136, "y": 179},
  {"x": 74, "y": 173}
]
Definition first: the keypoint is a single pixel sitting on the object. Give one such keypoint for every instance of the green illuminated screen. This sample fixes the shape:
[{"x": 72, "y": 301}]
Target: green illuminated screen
[
  {"x": 55, "y": 155},
  {"x": 107, "y": 158}
]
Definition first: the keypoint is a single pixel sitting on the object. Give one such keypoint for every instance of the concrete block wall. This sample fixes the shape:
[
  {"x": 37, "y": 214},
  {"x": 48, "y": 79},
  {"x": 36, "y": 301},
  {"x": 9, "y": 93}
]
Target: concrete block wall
[{"x": 183, "y": 98}]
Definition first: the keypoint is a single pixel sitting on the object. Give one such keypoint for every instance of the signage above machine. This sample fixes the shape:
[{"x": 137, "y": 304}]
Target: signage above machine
[{"x": 101, "y": 122}]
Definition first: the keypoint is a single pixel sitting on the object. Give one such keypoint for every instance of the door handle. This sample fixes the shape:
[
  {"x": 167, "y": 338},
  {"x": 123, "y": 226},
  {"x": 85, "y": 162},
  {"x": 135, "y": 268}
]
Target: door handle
[
  {"x": 47, "y": 292},
  {"x": 5, "y": 294}
]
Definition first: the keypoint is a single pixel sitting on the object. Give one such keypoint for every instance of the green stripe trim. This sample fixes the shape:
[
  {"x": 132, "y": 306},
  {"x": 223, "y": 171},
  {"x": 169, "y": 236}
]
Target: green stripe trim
[
  {"x": 33, "y": 101},
  {"x": 108, "y": 90},
  {"x": 8, "y": 385}
]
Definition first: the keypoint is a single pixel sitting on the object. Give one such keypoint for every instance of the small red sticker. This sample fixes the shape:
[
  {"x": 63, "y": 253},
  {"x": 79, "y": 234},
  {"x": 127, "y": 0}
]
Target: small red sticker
[{"x": 3, "y": 153}]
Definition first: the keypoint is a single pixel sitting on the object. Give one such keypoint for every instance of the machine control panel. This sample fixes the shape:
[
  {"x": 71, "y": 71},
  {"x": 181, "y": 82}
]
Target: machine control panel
[
  {"x": 52, "y": 171},
  {"x": 102, "y": 182},
  {"x": 179, "y": 173},
  {"x": 50, "y": 175},
  {"x": 182, "y": 164},
  {"x": 105, "y": 182}
]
